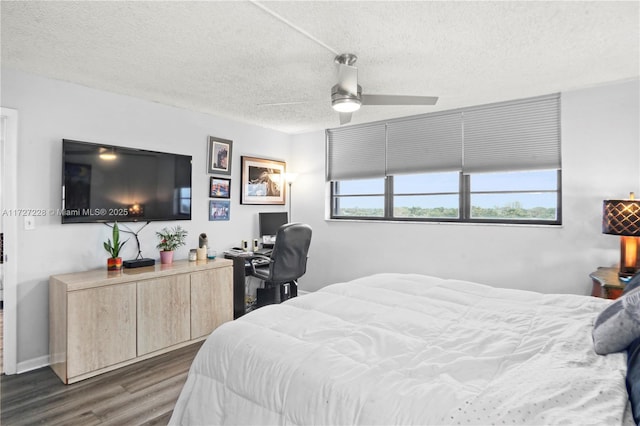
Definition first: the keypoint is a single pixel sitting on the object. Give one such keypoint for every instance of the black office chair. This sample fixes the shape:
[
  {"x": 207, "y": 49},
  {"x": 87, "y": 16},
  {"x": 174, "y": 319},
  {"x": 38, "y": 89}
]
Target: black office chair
[{"x": 287, "y": 263}]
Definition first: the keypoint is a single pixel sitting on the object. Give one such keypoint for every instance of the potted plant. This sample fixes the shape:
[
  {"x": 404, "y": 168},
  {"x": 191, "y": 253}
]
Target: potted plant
[
  {"x": 170, "y": 239},
  {"x": 114, "y": 263}
]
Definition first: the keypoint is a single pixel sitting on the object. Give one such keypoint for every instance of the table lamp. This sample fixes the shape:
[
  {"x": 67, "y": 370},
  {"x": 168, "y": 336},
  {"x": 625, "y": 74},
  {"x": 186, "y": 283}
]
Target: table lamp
[{"x": 622, "y": 217}]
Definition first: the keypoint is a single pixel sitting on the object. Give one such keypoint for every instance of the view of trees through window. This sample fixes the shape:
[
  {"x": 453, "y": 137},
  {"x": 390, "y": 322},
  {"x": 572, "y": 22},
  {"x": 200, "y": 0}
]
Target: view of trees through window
[
  {"x": 526, "y": 196},
  {"x": 510, "y": 211}
]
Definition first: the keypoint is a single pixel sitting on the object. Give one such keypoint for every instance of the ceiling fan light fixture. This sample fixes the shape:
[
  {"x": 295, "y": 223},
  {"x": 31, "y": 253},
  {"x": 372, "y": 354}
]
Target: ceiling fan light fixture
[
  {"x": 346, "y": 104},
  {"x": 343, "y": 101}
]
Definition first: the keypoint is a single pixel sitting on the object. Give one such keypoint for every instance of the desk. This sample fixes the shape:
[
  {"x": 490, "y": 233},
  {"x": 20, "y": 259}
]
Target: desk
[{"x": 240, "y": 271}]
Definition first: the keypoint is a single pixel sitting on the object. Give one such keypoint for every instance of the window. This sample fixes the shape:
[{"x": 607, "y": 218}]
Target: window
[
  {"x": 491, "y": 163},
  {"x": 359, "y": 198},
  {"x": 433, "y": 195},
  {"x": 506, "y": 197},
  {"x": 515, "y": 196}
]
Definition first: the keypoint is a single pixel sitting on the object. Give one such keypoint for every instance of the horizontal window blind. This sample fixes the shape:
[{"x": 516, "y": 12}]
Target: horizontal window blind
[
  {"x": 511, "y": 136},
  {"x": 505, "y": 136},
  {"x": 431, "y": 143},
  {"x": 356, "y": 152}
]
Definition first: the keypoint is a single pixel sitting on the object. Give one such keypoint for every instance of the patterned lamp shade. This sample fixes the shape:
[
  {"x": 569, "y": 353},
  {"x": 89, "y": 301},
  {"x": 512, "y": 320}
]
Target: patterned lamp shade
[{"x": 621, "y": 217}]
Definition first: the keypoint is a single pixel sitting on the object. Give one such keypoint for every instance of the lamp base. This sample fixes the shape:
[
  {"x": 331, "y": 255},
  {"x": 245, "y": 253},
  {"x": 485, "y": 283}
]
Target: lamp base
[
  {"x": 623, "y": 274},
  {"x": 628, "y": 256}
]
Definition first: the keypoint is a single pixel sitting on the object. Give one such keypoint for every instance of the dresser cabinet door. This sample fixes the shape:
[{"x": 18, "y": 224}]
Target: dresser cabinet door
[
  {"x": 102, "y": 327},
  {"x": 163, "y": 312},
  {"x": 211, "y": 300}
]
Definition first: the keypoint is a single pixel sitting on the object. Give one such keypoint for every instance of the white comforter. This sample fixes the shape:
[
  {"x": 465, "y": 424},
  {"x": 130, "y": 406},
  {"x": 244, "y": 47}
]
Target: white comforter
[{"x": 408, "y": 349}]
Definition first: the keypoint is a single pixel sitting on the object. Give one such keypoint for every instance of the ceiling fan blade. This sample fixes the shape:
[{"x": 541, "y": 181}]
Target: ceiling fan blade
[
  {"x": 284, "y": 103},
  {"x": 345, "y": 117},
  {"x": 398, "y": 100},
  {"x": 348, "y": 78}
]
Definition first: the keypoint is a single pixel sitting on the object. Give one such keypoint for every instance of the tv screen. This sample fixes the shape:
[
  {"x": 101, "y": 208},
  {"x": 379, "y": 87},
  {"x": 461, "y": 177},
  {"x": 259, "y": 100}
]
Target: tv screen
[{"x": 105, "y": 183}]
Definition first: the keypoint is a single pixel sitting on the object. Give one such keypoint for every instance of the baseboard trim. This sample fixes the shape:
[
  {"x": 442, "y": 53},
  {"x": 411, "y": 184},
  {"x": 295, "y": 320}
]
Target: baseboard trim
[{"x": 32, "y": 364}]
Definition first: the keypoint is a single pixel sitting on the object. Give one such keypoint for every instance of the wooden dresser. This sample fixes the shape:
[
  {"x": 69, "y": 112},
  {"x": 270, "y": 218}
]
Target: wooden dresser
[{"x": 101, "y": 320}]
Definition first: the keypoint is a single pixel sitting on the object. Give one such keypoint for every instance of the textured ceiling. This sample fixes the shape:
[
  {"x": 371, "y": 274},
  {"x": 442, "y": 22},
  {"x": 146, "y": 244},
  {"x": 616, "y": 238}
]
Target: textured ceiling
[{"x": 230, "y": 58}]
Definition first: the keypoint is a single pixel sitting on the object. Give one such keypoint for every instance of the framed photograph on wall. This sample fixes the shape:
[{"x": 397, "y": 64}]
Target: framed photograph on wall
[
  {"x": 219, "y": 156},
  {"x": 219, "y": 187},
  {"x": 262, "y": 181},
  {"x": 219, "y": 210}
]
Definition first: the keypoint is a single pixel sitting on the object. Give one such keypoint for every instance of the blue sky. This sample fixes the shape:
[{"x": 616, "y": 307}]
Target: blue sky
[{"x": 448, "y": 182}]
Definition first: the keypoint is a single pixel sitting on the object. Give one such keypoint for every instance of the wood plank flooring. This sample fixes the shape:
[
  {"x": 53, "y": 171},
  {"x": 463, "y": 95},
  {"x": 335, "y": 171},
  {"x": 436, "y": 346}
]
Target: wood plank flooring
[
  {"x": 1, "y": 340},
  {"x": 140, "y": 394}
]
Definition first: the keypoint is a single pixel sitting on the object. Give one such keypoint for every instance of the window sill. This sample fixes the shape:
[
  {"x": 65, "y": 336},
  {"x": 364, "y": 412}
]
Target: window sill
[{"x": 419, "y": 222}]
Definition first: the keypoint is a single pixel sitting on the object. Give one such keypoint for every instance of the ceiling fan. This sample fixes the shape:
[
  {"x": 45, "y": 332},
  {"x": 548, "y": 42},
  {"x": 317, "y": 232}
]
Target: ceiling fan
[{"x": 347, "y": 96}]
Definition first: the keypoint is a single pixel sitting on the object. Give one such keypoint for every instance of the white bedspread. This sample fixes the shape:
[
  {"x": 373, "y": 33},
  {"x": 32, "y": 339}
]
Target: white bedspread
[{"x": 408, "y": 349}]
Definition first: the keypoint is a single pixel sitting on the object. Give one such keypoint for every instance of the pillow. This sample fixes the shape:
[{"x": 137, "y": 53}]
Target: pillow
[
  {"x": 633, "y": 283},
  {"x": 618, "y": 325},
  {"x": 633, "y": 378}
]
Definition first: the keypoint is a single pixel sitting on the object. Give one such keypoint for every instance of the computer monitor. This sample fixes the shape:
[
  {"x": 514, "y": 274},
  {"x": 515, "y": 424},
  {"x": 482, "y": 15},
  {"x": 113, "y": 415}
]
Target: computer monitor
[{"x": 269, "y": 223}]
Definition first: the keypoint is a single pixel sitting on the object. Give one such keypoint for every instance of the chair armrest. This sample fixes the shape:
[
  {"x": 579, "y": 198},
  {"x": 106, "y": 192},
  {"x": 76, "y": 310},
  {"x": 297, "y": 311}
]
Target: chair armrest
[{"x": 254, "y": 264}]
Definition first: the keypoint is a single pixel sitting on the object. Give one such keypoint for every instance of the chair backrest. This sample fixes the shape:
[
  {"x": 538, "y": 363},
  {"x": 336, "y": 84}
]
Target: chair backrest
[{"x": 289, "y": 255}]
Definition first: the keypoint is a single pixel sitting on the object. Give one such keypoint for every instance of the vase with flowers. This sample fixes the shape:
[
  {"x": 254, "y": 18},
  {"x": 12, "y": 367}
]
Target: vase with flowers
[{"x": 170, "y": 239}]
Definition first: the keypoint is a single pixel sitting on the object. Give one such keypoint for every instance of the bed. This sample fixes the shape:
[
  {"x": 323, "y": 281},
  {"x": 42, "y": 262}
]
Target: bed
[{"x": 409, "y": 349}]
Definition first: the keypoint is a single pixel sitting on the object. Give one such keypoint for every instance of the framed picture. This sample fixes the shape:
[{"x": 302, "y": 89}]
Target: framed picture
[
  {"x": 219, "y": 209},
  {"x": 262, "y": 181},
  {"x": 219, "y": 187},
  {"x": 219, "y": 156}
]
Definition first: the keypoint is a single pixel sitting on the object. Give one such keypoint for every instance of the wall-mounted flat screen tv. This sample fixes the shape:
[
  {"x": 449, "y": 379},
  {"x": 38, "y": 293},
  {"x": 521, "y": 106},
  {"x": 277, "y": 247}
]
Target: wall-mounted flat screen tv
[{"x": 106, "y": 183}]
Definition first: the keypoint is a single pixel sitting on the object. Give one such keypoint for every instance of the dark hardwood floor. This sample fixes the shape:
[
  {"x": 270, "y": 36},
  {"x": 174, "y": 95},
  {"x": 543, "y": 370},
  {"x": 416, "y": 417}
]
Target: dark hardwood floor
[{"x": 140, "y": 394}]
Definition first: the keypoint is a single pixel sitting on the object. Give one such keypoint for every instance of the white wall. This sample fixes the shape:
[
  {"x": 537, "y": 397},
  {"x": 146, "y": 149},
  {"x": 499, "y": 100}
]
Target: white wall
[
  {"x": 600, "y": 151},
  {"x": 51, "y": 110}
]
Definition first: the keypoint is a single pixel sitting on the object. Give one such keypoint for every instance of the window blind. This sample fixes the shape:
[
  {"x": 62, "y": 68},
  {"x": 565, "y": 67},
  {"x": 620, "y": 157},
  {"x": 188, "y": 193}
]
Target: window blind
[
  {"x": 356, "y": 152},
  {"x": 505, "y": 136},
  {"x": 431, "y": 143},
  {"x": 510, "y": 136}
]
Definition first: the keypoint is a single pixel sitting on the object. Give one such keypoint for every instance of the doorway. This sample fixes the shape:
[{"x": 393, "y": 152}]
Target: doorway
[{"x": 8, "y": 231}]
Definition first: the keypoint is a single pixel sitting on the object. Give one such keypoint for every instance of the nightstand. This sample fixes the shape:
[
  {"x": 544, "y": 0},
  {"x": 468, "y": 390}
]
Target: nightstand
[{"x": 606, "y": 283}]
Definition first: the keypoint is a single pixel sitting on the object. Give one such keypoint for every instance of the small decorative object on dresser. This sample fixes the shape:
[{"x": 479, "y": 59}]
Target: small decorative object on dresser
[
  {"x": 203, "y": 241},
  {"x": 170, "y": 239},
  {"x": 201, "y": 251},
  {"x": 606, "y": 283},
  {"x": 114, "y": 263}
]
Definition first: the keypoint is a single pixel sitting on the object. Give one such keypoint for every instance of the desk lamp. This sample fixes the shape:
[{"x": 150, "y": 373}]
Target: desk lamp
[{"x": 622, "y": 217}]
